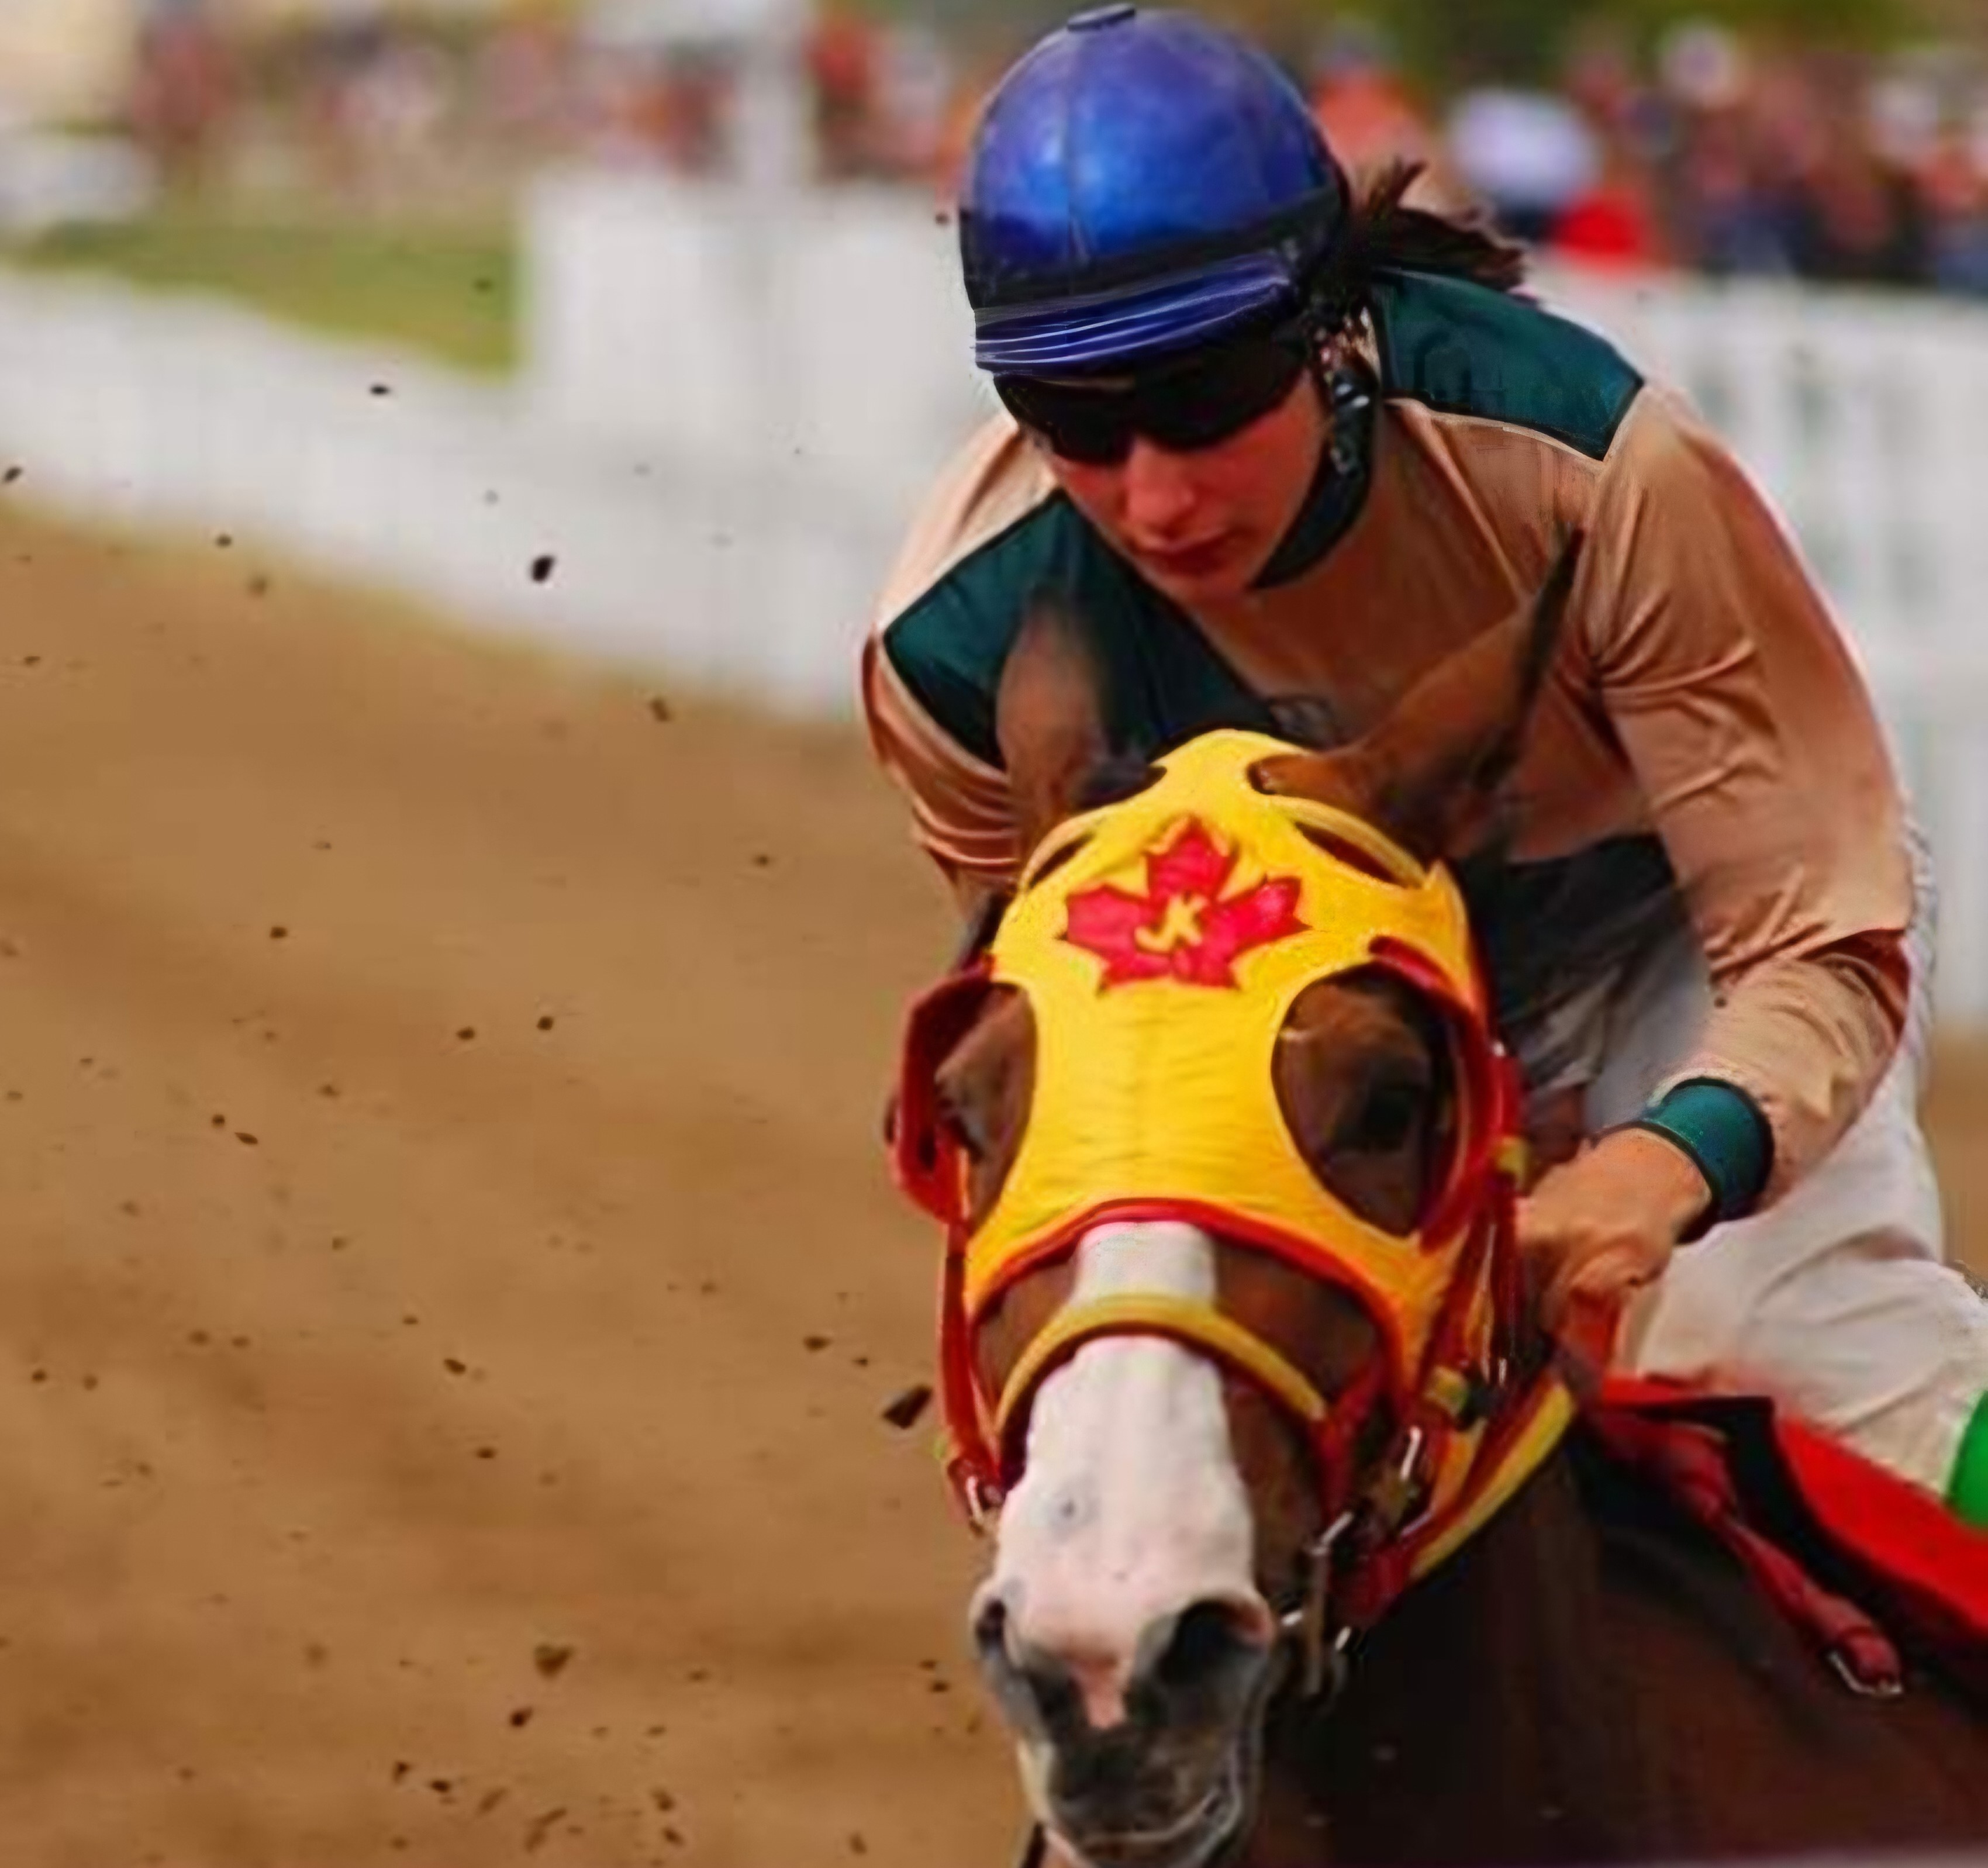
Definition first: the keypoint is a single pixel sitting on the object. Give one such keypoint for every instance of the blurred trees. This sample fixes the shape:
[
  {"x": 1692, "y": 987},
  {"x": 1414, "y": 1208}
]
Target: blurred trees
[
  {"x": 1451, "y": 42},
  {"x": 1522, "y": 39},
  {"x": 1508, "y": 39}
]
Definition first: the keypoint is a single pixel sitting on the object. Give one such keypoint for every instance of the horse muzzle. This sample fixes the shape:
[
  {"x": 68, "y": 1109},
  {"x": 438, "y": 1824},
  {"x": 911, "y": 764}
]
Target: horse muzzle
[{"x": 1171, "y": 1784}]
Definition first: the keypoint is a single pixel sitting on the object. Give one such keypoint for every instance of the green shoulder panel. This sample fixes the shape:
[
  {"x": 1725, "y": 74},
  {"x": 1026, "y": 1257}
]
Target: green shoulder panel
[
  {"x": 1164, "y": 681},
  {"x": 1462, "y": 349}
]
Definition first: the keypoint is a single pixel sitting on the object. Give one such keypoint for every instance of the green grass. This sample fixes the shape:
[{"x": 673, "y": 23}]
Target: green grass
[{"x": 452, "y": 294}]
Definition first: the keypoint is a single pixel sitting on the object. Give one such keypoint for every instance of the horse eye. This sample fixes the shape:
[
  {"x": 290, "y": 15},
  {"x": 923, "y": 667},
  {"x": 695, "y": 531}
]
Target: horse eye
[{"x": 1387, "y": 1119}]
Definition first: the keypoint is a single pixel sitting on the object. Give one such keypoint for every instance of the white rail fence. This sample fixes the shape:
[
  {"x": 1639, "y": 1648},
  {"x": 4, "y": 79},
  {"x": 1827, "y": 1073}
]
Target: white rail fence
[
  {"x": 732, "y": 399},
  {"x": 374, "y": 465}
]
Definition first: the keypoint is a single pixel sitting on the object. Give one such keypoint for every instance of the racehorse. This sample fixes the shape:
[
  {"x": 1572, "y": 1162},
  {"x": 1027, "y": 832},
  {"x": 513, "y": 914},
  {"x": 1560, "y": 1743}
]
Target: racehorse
[{"x": 1304, "y": 1551}]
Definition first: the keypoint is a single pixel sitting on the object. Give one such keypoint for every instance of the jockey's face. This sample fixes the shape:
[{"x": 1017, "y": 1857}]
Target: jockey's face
[{"x": 1200, "y": 523}]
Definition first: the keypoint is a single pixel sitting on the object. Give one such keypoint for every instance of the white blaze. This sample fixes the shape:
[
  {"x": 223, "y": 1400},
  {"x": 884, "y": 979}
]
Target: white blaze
[{"x": 1130, "y": 1508}]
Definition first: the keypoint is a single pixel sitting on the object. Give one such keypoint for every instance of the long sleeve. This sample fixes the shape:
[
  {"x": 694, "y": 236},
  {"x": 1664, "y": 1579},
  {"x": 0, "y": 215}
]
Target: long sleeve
[
  {"x": 1754, "y": 740},
  {"x": 961, "y": 815}
]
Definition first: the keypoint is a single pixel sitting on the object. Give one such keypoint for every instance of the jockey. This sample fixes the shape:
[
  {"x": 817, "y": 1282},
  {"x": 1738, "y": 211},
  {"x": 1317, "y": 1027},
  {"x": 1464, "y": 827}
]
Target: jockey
[{"x": 1287, "y": 447}]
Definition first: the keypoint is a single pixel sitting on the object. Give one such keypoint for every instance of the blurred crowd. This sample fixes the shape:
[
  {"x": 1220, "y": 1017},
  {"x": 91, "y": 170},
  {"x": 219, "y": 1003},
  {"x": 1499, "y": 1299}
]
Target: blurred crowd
[
  {"x": 1711, "y": 154},
  {"x": 1717, "y": 157}
]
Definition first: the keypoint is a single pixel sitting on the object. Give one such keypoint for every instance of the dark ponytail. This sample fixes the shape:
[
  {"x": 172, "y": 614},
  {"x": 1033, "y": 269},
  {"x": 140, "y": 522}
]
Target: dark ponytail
[{"x": 1385, "y": 233}]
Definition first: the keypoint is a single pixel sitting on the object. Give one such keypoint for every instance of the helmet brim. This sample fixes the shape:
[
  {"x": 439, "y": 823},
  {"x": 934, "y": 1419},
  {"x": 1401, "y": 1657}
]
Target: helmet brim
[{"x": 1106, "y": 331}]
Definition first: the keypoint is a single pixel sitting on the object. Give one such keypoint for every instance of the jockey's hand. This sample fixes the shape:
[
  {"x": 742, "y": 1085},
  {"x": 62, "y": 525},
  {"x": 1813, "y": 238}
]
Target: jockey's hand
[{"x": 1598, "y": 1227}]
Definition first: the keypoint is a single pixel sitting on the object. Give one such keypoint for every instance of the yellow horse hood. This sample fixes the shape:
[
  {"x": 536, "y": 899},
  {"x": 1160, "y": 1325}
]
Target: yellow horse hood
[{"x": 1161, "y": 943}]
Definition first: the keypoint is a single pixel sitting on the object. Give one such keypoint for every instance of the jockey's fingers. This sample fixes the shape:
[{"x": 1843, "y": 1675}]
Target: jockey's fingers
[{"x": 1606, "y": 1275}]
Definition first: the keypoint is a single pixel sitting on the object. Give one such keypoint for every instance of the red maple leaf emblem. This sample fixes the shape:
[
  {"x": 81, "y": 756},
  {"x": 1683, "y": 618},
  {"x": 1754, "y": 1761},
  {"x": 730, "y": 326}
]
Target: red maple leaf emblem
[{"x": 1183, "y": 928}]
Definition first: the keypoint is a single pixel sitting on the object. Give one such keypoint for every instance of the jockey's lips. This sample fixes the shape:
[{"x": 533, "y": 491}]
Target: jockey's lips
[{"x": 1195, "y": 401}]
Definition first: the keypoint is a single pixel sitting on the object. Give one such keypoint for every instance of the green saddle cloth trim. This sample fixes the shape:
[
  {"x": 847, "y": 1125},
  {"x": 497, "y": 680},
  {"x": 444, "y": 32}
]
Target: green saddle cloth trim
[{"x": 1968, "y": 1494}]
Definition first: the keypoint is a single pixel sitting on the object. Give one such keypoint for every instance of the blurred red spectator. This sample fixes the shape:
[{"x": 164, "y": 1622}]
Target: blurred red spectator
[
  {"x": 1372, "y": 119},
  {"x": 843, "y": 61},
  {"x": 1854, "y": 220},
  {"x": 1616, "y": 221},
  {"x": 181, "y": 89}
]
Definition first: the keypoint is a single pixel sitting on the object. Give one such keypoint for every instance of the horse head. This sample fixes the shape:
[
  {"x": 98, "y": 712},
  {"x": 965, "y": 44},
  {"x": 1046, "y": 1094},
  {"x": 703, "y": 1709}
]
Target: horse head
[{"x": 1223, "y": 1141}]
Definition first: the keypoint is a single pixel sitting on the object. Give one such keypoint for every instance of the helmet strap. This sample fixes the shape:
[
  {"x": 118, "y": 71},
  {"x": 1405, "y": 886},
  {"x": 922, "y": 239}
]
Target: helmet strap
[
  {"x": 1346, "y": 395},
  {"x": 1344, "y": 392}
]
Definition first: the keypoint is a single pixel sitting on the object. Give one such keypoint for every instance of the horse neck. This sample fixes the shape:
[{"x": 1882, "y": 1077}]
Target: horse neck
[
  {"x": 1591, "y": 1681},
  {"x": 1476, "y": 1724}
]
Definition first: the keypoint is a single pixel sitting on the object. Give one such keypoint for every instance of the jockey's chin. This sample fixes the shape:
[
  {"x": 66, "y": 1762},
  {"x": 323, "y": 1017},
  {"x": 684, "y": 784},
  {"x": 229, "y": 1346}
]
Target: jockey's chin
[{"x": 1207, "y": 571}]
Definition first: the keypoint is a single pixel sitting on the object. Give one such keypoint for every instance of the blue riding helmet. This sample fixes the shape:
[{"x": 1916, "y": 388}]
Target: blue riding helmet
[{"x": 1140, "y": 181}]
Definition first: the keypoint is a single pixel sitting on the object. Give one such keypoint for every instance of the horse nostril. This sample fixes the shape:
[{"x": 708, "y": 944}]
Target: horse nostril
[
  {"x": 990, "y": 1633},
  {"x": 1007, "y": 1673},
  {"x": 1038, "y": 1694},
  {"x": 1211, "y": 1647}
]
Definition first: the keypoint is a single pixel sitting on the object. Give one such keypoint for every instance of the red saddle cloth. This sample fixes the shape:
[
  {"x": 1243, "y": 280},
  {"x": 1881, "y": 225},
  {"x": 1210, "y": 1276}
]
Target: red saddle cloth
[{"x": 1875, "y": 1569}]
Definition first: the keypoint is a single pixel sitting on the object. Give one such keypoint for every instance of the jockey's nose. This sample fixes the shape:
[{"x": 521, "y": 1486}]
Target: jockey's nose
[{"x": 1160, "y": 493}]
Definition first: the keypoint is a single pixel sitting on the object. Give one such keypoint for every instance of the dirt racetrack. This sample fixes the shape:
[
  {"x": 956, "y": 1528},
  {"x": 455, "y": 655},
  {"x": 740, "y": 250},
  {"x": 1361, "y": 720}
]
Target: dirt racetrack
[{"x": 449, "y": 1287}]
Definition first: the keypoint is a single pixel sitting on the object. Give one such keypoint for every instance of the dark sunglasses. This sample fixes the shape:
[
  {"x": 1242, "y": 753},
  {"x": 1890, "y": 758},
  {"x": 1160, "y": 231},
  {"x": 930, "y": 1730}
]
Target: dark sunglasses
[{"x": 1197, "y": 402}]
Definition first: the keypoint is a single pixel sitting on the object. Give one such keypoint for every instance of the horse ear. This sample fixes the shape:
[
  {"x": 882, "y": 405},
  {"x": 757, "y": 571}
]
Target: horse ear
[
  {"x": 1049, "y": 717},
  {"x": 1428, "y": 774}
]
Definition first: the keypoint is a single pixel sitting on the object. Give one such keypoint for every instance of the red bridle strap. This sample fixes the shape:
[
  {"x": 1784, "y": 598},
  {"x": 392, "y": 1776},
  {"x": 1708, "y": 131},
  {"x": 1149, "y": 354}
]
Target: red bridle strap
[{"x": 1443, "y": 1397}]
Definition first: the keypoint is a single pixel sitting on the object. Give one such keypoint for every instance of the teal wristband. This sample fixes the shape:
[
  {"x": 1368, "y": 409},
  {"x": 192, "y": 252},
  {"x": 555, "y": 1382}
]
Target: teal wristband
[{"x": 1723, "y": 1130}]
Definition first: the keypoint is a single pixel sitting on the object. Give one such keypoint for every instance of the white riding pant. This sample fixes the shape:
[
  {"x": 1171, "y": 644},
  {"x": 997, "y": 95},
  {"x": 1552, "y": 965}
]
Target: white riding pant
[{"x": 1837, "y": 1301}]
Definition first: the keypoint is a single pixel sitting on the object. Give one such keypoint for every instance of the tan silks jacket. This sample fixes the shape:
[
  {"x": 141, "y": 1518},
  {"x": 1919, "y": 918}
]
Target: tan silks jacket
[{"x": 1704, "y": 723}]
